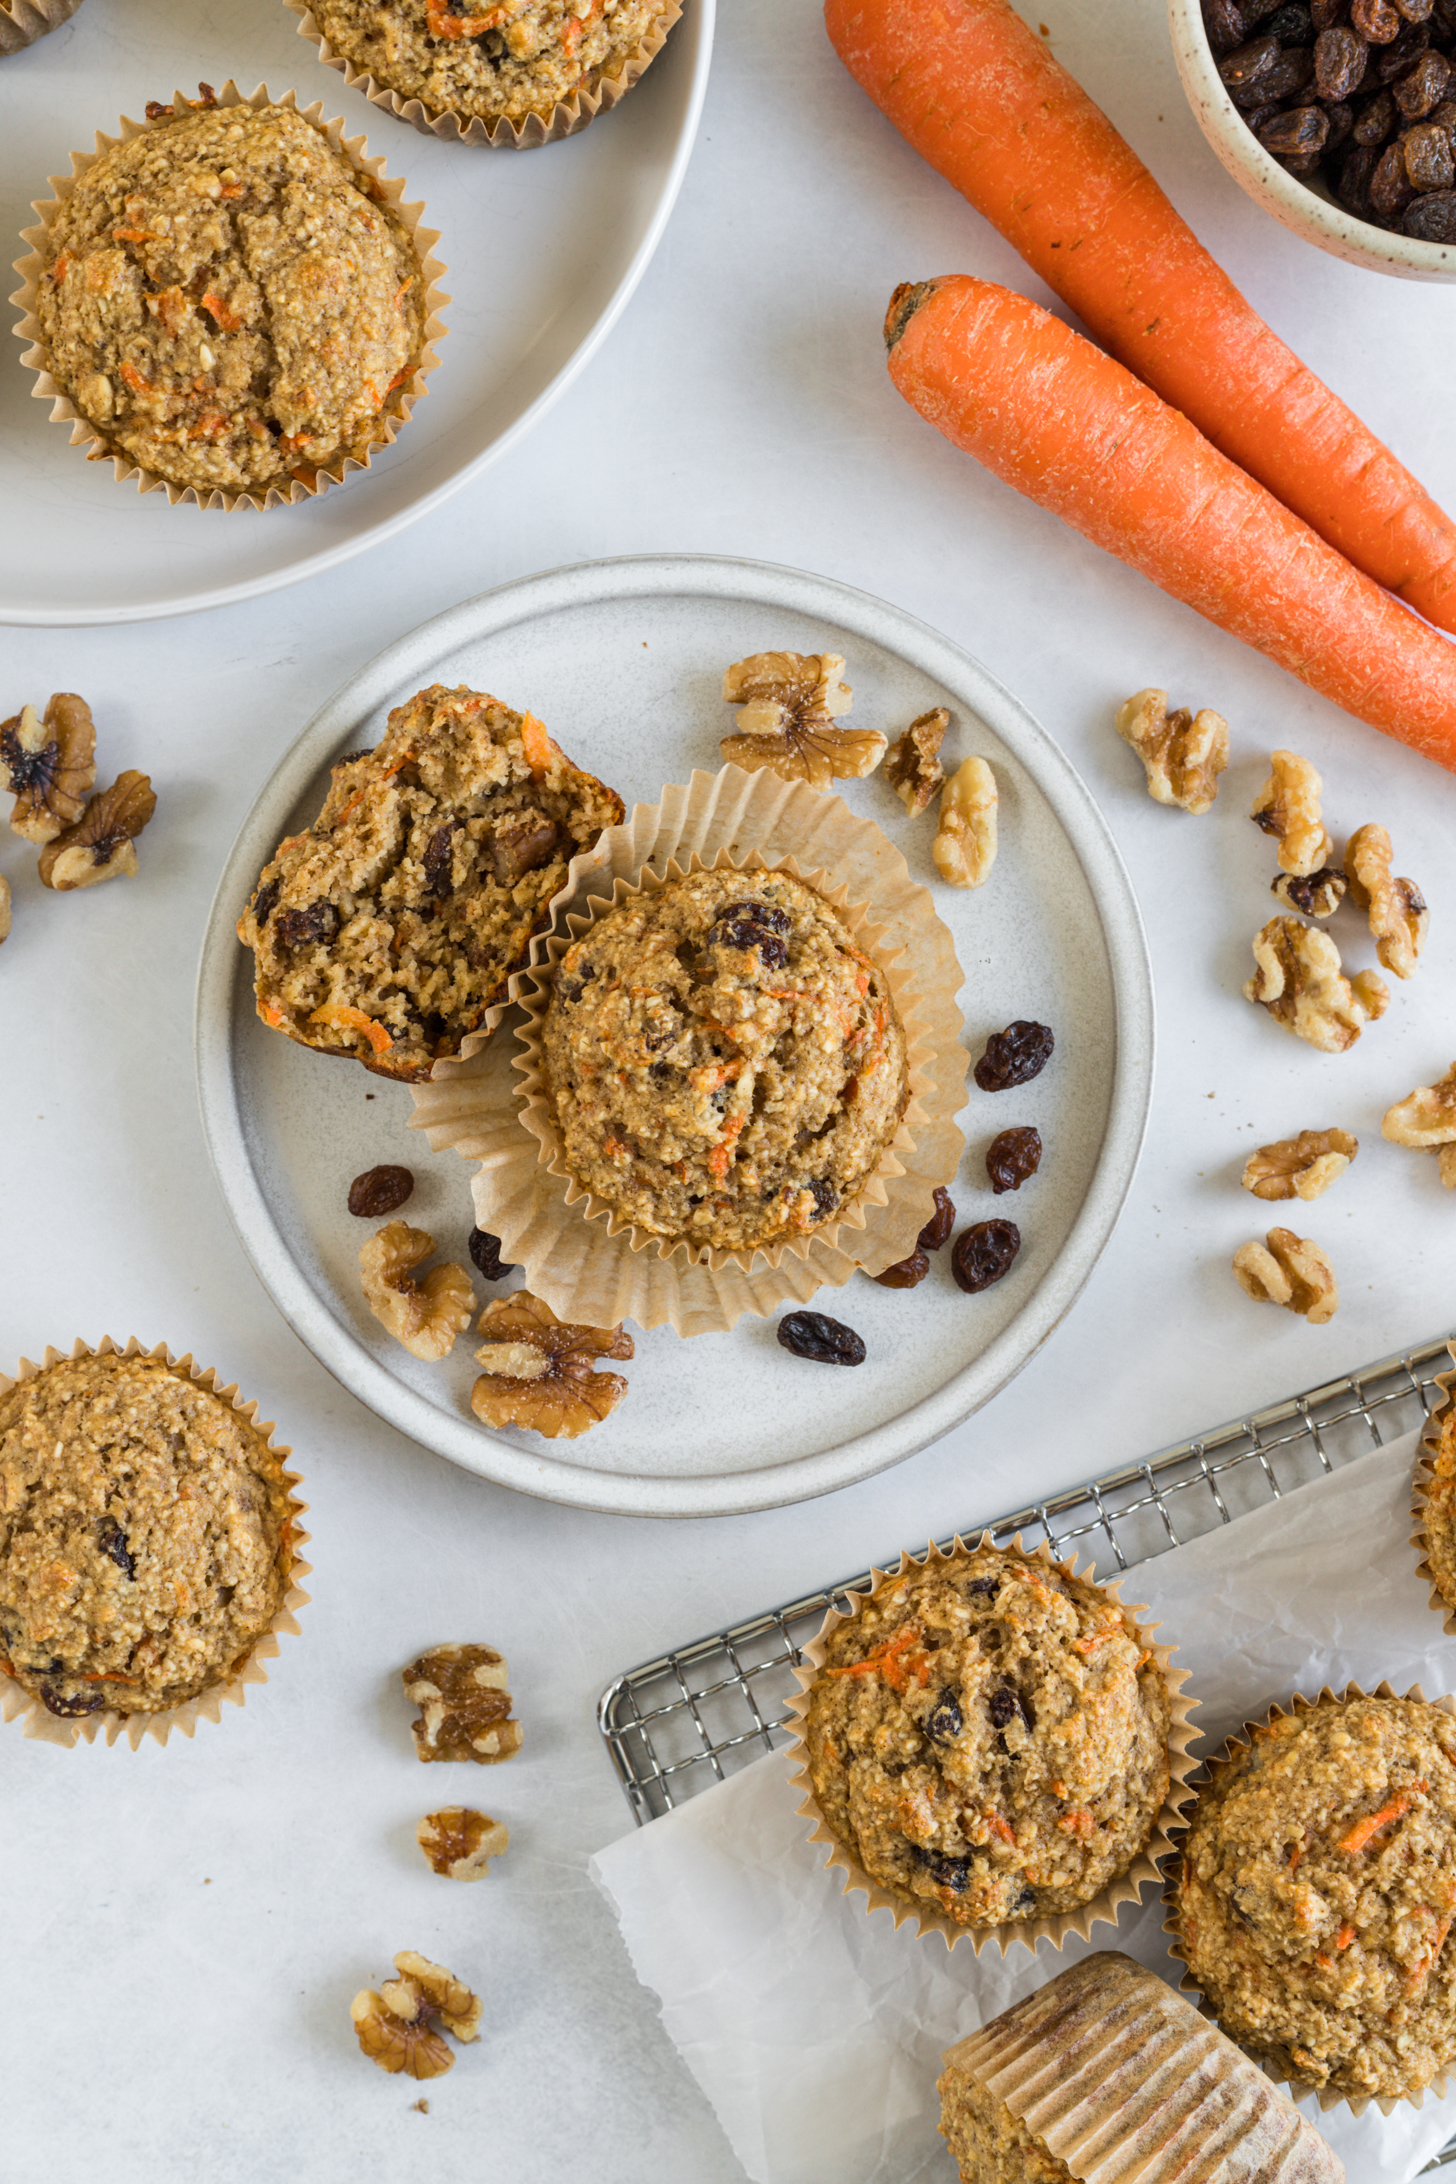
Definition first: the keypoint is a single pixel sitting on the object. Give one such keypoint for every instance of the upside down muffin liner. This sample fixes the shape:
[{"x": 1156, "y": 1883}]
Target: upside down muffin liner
[
  {"x": 1441, "y": 1421},
  {"x": 23, "y": 21},
  {"x": 1125, "y": 2083},
  {"x": 18, "y": 1704},
  {"x": 1213, "y": 1765},
  {"x": 567, "y": 118},
  {"x": 308, "y": 482},
  {"x": 579, "y": 1254},
  {"x": 1058, "y": 1927}
]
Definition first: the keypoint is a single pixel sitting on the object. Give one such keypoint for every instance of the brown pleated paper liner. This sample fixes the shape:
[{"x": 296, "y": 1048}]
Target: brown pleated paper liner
[
  {"x": 17, "y": 1704},
  {"x": 23, "y": 21},
  {"x": 1213, "y": 1767},
  {"x": 1440, "y": 1427},
  {"x": 578, "y": 1252},
  {"x": 310, "y": 481},
  {"x": 1126, "y": 2083},
  {"x": 1057, "y": 1928},
  {"x": 567, "y": 118}
]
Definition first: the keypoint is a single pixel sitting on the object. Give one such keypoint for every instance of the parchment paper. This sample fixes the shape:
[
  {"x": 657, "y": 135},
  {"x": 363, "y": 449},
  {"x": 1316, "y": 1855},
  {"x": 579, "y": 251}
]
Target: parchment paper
[{"x": 816, "y": 2031}]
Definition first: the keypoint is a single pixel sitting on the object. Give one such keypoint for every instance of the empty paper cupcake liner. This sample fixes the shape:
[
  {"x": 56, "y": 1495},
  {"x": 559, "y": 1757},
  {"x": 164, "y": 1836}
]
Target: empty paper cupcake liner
[
  {"x": 1438, "y": 1568},
  {"x": 23, "y": 21}
]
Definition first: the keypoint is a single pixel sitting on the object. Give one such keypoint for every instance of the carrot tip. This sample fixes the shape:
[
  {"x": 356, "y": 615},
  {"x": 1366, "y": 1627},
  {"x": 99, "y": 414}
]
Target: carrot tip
[{"x": 904, "y": 304}]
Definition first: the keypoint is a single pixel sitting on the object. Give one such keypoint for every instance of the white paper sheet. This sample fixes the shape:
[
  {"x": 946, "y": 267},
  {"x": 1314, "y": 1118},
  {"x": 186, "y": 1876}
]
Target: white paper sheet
[{"x": 816, "y": 2031}]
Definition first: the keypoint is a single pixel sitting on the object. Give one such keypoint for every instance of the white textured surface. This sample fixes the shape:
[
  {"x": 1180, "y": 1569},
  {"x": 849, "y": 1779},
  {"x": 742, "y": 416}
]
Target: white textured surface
[{"x": 741, "y": 407}]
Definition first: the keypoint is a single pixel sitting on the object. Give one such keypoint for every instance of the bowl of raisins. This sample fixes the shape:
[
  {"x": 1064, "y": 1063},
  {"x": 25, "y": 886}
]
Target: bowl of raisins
[{"x": 1338, "y": 116}]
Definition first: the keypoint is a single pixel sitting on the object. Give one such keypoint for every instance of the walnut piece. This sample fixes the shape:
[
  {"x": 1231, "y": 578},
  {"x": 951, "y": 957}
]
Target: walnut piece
[
  {"x": 964, "y": 848},
  {"x": 1426, "y": 1121},
  {"x": 100, "y": 845},
  {"x": 1288, "y": 806},
  {"x": 1300, "y": 1167},
  {"x": 1316, "y": 895},
  {"x": 48, "y": 765},
  {"x": 1397, "y": 908},
  {"x": 913, "y": 768},
  {"x": 1183, "y": 753},
  {"x": 1300, "y": 983},
  {"x": 789, "y": 703},
  {"x": 4, "y": 909},
  {"x": 427, "y": 1315},
  {"x": 540, "y": 1372},
  {"x": 393, "y": 2026},
  {"x": 460, "y": 1842},
  {"x": 464, "y": 1705},
  {"x": 433, "y": 1988},
  {"x": 1289, "y": 1270}
]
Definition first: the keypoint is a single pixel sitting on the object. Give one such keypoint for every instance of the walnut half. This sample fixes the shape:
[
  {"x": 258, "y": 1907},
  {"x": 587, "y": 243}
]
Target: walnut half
[
  {"x": 1315, "y": 895},
  {"x": 913, "y": 768},
  {"x": 48, "y": 765},
  {"x": 100, "y": 846},
  {"x": 790, "y": 702},
  {"x": 393, "y": 2025},
  {"x": 1300, "y": 1167},
  {"x": 540, "y": 1372},
  {"x": 1183, "y": 753},
  {"x": 427, "y": 1315},
  {"x": 1396, "y": 908},
  {"x": 1288, "y": 806},
  {"x": 1425, "y": 1120},
  {"x": 1300, "y": 982},
  {"x": 460, "y": 1842},
  {"x": 1289, "y": 1270},
  {"x": 465, "y": 1708},
  {"x": 964, "y": 848}
]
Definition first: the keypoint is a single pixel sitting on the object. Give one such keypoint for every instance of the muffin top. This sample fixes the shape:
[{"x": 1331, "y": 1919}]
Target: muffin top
[
  {"x": 1439, "y": 1514},
  {"x": 989, "y": 1738},
  {"x": 499, "y": 59},
  {"x": 1318, "y": 1890},
  {"x": 723, "y": 1063},
  {"x": 144, "y": 1529},
  {"x": 228, "y": 302}
]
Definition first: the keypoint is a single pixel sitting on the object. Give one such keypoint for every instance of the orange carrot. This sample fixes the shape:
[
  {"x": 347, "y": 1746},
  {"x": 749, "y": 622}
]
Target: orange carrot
[
  {"x": 1079, "y": 1821},
  {"x": 1067, "y": 426},
  {"x": 537, "y": 746},
  {"x": 896, "y": 1661},
  {"x": 335, "y": 1012},
  {"x": 1399, "y": 1805},
  {"x": 982, "y": 99},
  {"x": 1001, "y": 1827}
]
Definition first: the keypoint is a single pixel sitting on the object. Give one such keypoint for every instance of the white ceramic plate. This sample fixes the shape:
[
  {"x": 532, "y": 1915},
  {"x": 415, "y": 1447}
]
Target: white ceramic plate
[
  {"x": 624, "y": 660},
  {"x": 543, "y": 250}
]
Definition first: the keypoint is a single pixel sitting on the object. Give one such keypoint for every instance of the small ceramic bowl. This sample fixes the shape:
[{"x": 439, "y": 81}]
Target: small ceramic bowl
[{"x": 1311, "y": 213}]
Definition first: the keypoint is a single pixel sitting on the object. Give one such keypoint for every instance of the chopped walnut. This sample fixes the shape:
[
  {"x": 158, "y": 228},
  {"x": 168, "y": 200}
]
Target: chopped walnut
[
  {"x": 433, "y": 1988},
  {"x": 4, "y": 909},
  {"x": 100, "y": 845},
  {"x": 1397, "y": 908},
  {"x": 427, "y": 1315},
  {"x": 1183, "y": 753},
  {"x": 1426, "y": 1120},
  {"x": 393, "y": 2026},
  {"x": 540, "y": 1372},
  {"x": 790, "y": 702},
  {"x": 464, "y": 1705},
  {"x": 1288, "y": 806},
  {"x": 1317, "y": 895},
  {"x": 48, "y": 765},
  {"x": 913, "y": 768},
  {"x": 1300, "y": 983},
  {"x": 1300, "y": 1167},
  {"x": 1289, "y": 1270},
  {"x": 460, "y": 1842},
  {"x": 964, "y": 849}
]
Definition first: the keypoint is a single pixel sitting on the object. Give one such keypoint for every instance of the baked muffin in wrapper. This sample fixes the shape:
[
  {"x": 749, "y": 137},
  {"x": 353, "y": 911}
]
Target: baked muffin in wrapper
[
  {"x": 1029, "y": 1927},
  {"x": 306, "y": 480},
  {"x": 565, "y": 117},
  {"x": 578, "y": 1253},
  {"x": 1433, "y": 1504},
  {"x": 18, "y": 1703},
  {"x": 23, "y": 21},
  {"x": 1275, "y": 2054},
  {"x": 1107, "y": 2076}
]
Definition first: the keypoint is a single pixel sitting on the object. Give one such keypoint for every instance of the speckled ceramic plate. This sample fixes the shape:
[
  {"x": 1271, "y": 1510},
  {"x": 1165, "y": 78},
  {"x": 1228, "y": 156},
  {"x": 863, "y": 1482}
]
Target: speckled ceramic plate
[{"x": 624, "y": 661}]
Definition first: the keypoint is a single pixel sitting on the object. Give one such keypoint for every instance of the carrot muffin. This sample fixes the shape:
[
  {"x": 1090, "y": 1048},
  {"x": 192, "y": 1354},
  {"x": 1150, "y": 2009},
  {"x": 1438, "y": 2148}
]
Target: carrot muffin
[
  {"x": 1318, "y": 1889},
  {"x": 1437, "y": 1478},
  {"x": 143, "y": 1536},
  {"x": 988, "y": 1738},
  {"x": 226, "y": 301},
  {"x": 498, "y": 60},
  {"x": 388, "y": 929},
  {"x": 1105, "y": 2068},
  {"x": 722, "y": 1062}
]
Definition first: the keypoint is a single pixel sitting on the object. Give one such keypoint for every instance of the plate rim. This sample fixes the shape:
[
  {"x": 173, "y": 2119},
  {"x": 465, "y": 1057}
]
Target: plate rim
[
  {"x": 544, "y": 1474},
  {"x": 696, "y": 30}
]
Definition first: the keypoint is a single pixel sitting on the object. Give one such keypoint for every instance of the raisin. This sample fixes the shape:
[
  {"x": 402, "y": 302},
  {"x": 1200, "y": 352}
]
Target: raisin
[
  {"x": 1298, "y": 134},
  {"x": 112, "y": 1541},
  {"x": 1012, "y": 1157},
  {"x": 983, "y": 1254},
  {"x": 1427, "y": 153},
  {"x": 264, "y": 901},
  {"x": 1355, "y": 173},
  {"x": 1376, "y": 20},
  {"x": 1026, "y": 1899},
  {"x": 1396, "y": 60},
  {"x": 1006, "y": 1704},
  {"x": 71, "y": 1709},
  {"x": 1424, "y": 88},
  {"x": 1291, "y": 25},
  {"x": 905, "y": 1273},
  {"x": 1432, "y": 219},
  {"x": 937, "y": 1229},
  {"x": 298, "y": 928},
  {"x": 815, "y": 1335},
  {"x": 1225, "y": 23},
  {"x": 945, "y": 1871},
  {"x": 825, "y": 1196},
  {"x": 1247, "y": 63},
  {"x": 438, "y": 858},
  {"x": 1339, "y": 62},
  {"x": 1376, "y": 119},
  {"x": 944, "y": 1720},
  {"x": 349, "y": 758},
  {"x": 746, "y": 933},
  {"x": 1324, "y": 14},
  {"x": 485, "y": 1255},
  {"x": 1291, "y": 73},
  {"x": 379, "y": 1191},
  {"x": 1342, "y": 121},
  {"x": 983, "y": 1588},
  {"x": 1014, "y": 1056},
  {"x": 1390, "y": 186}
]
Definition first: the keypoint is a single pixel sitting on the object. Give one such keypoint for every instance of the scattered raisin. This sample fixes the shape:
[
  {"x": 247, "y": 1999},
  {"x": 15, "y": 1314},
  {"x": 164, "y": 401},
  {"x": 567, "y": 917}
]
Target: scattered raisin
[
  {"x": 439, "y": 856},
  {"x": 1012, "y": 1157},
  {"x": 297, "y": 928},
  {"x": 485, "y": 1255},
  {"x": 263, "y": 902},
  {"x": 983, "y": 1588},
  {"x": 1006, "y": 1704},
  {"x": 944, "y": 1721},
  {"x": 945, "y": 1871},
  {"x": 1026, "y": 1899},
  {"x": 983, "y": 1254},
  {"x": 84, "y": 1702},
  {"x": 112, "y": 1541},
  {"x": 937, "y": 1229},
  {"x": 905, "y": 1273},
  {"x": 1014, "y": 1056},
  {"x": 827, "y": 1341},
  {"x": 379, "y": 1191},
  {"x": 759, "y": 925},
  {"x": 1339, "y": 62},
  {"x": 825, "y": 1196}
]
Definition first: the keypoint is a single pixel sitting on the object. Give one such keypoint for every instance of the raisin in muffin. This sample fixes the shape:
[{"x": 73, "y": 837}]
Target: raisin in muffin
[
  {"x": 988, "y": 1737},
  {"x": 723, "y": 1064},
  {"x": 388, "y": 929},
  {"x": 227, "y": 302},
  {"x": 145, "y": 1535},
  {"x": 1317, "y": 1893}
]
